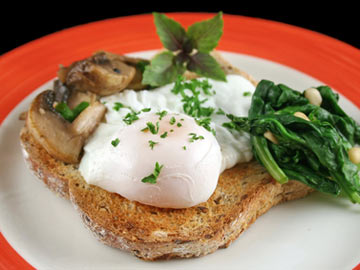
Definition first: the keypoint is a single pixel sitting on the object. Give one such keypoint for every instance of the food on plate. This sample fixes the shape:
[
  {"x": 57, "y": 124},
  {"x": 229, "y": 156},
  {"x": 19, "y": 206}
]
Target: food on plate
[{"x": 157, "y": 155}]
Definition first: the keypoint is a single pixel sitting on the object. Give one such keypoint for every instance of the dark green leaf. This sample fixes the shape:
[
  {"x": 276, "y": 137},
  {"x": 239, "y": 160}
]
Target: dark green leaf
[
  {"x": 205, "y": 35},
  {"x": 170, "y": 32},
  {"x": 162, "y": 70},
  {"x": 205, "y": 65}
]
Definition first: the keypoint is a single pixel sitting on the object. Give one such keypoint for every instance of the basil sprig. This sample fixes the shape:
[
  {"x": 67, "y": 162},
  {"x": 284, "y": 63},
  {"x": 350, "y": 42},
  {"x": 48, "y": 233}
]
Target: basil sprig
[{"x": 186, "y": 50}]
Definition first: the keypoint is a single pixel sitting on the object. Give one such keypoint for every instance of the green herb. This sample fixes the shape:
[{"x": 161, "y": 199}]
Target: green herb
[
  {"x": 152, "y": 144},
  {"x": 313, "y": 152},
  {"x": 161, "y": 114},
  {"x": 164, "y": 135},
  {"x": 247, "y": 94},
  {"x": 171, "y": 130},
  {"x": 192, "y": 104},
  {"x": 194, "y": 137},
  {"x": 220, "y": 112},
  {"x": 153, "y": 177},
  {"x": 131, "y": 117},
  {"x": 187, "y": 50},
  {"x": 206, "y": 123},
  {"x": 172, "y": 120},
  {"x": 184, "y": 147},
  {"x": 146, "y": 110},
  {"x": 115, "y": 142},
  {"x": 70, "y": 114},
  {"x": 179, "y": 124},
  {"x": 150, "y": 126},
  {"x": 118, "y": 105},
  {"x": 142, "y": 64}
]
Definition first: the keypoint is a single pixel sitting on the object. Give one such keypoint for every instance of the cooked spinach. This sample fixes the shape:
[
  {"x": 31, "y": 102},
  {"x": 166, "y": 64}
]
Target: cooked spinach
[{"x": 313, "y": 152}]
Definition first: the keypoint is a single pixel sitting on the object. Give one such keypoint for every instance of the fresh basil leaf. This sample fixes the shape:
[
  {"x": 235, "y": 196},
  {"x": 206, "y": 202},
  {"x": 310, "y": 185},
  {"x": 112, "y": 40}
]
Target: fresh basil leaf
[
  {"x": 162, "y": 70},
  {"x": 206, "y": 65},
  {"x": 205, "y": 35},
  {"x": 171, "y": 33}
]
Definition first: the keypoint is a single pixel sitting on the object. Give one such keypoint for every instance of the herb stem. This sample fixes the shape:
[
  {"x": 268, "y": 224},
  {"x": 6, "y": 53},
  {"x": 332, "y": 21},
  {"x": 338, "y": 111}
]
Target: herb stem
[{"x": 263, "y": 153}]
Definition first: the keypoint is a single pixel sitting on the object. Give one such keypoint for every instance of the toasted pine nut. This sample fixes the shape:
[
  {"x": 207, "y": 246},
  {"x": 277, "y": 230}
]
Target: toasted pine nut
[
  {"x": 354, "y": 154},
  {"x": 271, "y": 137},
  {"x": 302, "y": 115},
  {"x": 313, "y": 95}
]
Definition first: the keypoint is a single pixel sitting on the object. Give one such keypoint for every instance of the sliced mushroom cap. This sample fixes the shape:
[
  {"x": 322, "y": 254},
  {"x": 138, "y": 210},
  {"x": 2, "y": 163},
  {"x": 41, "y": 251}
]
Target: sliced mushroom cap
[
  {"x": 52, "y": 131},
  {"x": 88, "y": 120},
  {"x": 136, "y": 83},
  {"x": 101, "y": 74}
]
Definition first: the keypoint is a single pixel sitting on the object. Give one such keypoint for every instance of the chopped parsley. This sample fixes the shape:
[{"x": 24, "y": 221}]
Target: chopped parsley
[
  {"x": 192, "y": 104},
  {"x": 161, "y": 114},
  {"x": 115, "y": 142},
  {"x": 118, "y": 105},
  {"x": 194, "y": 137},
  {"x": 184, "y": 147},
  {"x": 154, "y": 129},
  {"x": 131, "y": 117},
  {"x": 172, "y": 120},
  {"x": 164, "y": 135},
  {"x": 152, "y": 144},
  {"x": 146, "y": 110},
  {"x": 70, "y": 114},
  {"x": 247, "y": 94},
  {"x": 179, "y": 124},
  {"x": 220, "y": 112},
  {"x": 152, "y": 177},
  {"x": 205, "y": 123}
]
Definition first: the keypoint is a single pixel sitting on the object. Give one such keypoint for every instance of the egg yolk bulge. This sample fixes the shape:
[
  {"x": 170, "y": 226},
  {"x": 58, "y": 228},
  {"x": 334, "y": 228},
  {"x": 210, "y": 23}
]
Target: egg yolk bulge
[{"x": 169, "y": 162}]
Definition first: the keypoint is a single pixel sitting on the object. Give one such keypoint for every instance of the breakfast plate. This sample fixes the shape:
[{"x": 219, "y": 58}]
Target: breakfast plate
[{"x": 42, "y": 231}]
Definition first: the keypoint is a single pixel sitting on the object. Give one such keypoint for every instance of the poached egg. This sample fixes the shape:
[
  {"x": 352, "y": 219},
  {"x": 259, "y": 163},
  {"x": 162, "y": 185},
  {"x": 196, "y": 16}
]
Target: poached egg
[{"x": 183, "y": 158}]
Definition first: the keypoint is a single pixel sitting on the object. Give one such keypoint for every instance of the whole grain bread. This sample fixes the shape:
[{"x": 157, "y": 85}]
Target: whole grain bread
[{"x": 243, "y": 193}]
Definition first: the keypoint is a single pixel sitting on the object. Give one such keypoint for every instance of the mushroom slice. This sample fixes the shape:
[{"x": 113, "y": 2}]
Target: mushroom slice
[
  {"x": 137, "y": 63},
  {"x": 52, "y": 131},
  {"x": 88, "y": 119},
  {"x": 99, "y": 74}
]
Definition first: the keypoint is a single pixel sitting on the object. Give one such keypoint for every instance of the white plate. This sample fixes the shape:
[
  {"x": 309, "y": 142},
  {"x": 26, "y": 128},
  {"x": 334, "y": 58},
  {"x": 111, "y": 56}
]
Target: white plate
[{"x": 317, "y": 232}]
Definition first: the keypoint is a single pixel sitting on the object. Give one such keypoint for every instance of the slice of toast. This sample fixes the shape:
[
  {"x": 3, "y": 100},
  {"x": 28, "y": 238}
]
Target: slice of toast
[{"x": 244, "y": 192}]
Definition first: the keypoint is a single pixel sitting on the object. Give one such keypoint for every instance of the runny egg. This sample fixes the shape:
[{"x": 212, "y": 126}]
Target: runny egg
[{"x": 152, "y": 151}]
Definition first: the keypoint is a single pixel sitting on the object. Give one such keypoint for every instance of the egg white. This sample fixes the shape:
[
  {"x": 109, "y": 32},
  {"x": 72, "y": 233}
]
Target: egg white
[{"x": 234, "y": 147}]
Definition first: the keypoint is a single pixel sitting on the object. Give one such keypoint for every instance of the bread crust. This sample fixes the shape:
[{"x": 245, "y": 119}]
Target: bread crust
[{"x": 243, "y": 193}]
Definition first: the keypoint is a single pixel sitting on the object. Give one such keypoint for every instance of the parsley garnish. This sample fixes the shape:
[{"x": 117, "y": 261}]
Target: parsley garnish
[
  {"x": 194, "y": 137},
  {"x": 179, "y": 124},
  {"x": 184, "y": 147},
  {"x": 131, "y": 117},
  {"x": 152, "y": 144},
  {"x": 205, "y": 123},
  {"x": 172, "y": 120},
  {"x": 161, "y": 114},
  {"x": 70, "y": 114},
  {"x": 164, "y": 135},
  {"x": 150, "y": 126},
  {"x": 146, "y": 110},
  {"x": 118, "y": 105},
  {"x": 247, "y": 94},
  {"x": 192, "y": 104},
  {"x": 152, "y": 177},
  {"x": 220, "y": 112},
  {"x": 115, "y": 142}
]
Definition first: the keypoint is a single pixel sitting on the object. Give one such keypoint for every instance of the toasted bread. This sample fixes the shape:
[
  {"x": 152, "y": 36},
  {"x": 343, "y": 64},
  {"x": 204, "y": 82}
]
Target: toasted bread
[{"x": 244, "y": 192}]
